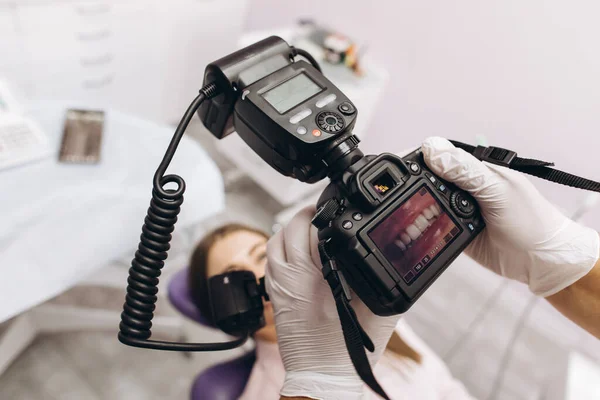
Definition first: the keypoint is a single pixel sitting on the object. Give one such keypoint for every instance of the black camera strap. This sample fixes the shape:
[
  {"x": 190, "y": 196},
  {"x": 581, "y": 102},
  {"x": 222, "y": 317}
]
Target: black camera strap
[
  {"x": 357, "y": 340},
  {"x": 540, "y": 169}
]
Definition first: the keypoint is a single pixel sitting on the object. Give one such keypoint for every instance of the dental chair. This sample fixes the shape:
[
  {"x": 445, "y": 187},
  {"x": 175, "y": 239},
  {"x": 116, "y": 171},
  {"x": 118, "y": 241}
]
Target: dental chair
[{"x": 225, "y": 381}]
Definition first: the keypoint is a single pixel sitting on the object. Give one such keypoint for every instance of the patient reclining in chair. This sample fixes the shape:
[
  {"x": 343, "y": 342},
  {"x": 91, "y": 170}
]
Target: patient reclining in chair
[{"x": 408, "y": 369}]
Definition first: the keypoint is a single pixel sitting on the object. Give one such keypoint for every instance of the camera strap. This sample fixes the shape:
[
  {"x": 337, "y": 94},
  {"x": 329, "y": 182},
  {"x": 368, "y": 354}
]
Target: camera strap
[
  {"x": 357, "y": 340},
  {"x": 540, "y": 169}
]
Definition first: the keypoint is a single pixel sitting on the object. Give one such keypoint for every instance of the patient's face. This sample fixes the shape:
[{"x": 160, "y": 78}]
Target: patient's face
[{"x": 243, "y": 250}]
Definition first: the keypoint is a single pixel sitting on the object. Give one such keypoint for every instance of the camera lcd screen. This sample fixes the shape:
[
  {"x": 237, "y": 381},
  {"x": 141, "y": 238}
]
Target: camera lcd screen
[
  {"x": 292, "y": 92},
  {"x": 414, "y": 234}
]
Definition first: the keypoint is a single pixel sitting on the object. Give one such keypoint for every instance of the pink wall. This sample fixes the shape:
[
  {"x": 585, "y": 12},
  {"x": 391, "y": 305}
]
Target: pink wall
[{"x": 524, "y": 74}]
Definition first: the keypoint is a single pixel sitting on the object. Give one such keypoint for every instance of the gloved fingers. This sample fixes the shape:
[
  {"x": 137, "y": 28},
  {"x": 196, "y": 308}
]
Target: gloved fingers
[
  {"x": 517, "y": 180},
  {"x": 377, "y": 327},
  {"x": 301, "y": 243},
  {"x": 314, "y": 248},
  {"x": 293, "y": 239},
  {"x": 275, "y": 259},
  {"x": 461, "y": 168},
  {"x": 297, "y": 234},
  {"x": 291, "y": 273},
  {"x": 283, "y": 267},
  {"x": 482, "y": 251}
]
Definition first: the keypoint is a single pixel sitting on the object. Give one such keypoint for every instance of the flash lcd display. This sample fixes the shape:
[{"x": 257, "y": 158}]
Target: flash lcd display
[{"x": 292, "y": 92}]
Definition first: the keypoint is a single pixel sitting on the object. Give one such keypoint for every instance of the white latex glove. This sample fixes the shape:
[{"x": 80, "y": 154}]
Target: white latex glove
[
  {"x": 310, "y": 336},
  {"x": 526, "y": 238}
]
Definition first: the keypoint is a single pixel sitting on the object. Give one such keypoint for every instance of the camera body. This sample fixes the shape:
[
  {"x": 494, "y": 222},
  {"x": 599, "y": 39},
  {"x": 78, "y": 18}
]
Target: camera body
[
  {"x": 394, "y": 227},
  {"x": 391, "y": 225}
]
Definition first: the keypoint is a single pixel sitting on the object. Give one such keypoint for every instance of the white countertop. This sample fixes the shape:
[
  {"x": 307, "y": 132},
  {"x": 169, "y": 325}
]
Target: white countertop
[{"x": 61, "y": 222}]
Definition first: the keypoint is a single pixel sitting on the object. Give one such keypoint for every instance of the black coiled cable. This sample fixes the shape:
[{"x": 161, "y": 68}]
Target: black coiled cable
[
  {"x": 149, "y": 259},
  {"x": 142, "y": 284}
]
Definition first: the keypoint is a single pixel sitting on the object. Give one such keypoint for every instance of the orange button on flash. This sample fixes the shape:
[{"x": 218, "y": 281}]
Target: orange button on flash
[{"x": 316, "y": 132}]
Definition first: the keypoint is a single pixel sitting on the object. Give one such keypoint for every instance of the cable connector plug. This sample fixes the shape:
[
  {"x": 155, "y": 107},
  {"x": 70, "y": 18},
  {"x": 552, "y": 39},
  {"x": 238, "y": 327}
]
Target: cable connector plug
[
  {"x": 209, "y": 91},
  {"x": 307, "y": 55}
]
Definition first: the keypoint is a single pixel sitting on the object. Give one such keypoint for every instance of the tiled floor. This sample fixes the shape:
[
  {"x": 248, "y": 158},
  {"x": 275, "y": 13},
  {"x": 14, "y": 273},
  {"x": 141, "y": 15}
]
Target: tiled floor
[{"x": 97, "y": 366}]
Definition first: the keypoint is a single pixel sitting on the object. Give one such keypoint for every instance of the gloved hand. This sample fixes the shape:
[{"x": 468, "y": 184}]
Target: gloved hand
[
  {"x": 526, "y": 238},
  {"x": 310, "y": 336}
]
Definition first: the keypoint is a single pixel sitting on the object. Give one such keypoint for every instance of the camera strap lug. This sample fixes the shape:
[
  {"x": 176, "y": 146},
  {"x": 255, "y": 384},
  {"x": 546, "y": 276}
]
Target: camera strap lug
[{"x": 355, "y": 337}]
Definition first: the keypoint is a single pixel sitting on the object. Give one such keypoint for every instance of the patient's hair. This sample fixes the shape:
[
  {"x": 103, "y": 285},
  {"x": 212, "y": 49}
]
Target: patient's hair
[{"x": 198, "y": 270}]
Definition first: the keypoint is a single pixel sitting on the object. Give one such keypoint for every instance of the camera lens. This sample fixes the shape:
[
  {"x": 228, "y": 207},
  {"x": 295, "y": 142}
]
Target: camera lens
[{"x": 331, "y": 120}]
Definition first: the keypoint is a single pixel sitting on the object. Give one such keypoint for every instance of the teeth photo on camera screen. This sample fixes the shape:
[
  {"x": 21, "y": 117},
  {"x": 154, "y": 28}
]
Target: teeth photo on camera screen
[{"x": 414, "y": 234}]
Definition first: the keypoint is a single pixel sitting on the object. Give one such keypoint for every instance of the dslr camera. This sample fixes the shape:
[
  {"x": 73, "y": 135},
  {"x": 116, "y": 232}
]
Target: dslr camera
[
  {"x": 387, "y": 226},
  {"x": 391, "y": 225}
]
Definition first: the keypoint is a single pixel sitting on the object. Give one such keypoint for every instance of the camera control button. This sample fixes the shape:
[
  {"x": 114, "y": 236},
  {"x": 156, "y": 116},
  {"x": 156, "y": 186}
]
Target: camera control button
[
  {"x": 301, "y": 130},
  {"x": 325, "y": 214},
  {"x": 357, "y": 216},
  {"x": 463, "y": 204},
  {"x": 326, "y": 100},
  {"x": 346, "y": 108},
  {"x": 431, "y": 178},
  {"x": 414, "y": 167},
  {"x": 442, "y": 188},
  {"x": 408, "y": 278},
  {"x": 330, "y": 122},
  {"x": 347, "y": 224},
  {"x": 300, "y": 116}
]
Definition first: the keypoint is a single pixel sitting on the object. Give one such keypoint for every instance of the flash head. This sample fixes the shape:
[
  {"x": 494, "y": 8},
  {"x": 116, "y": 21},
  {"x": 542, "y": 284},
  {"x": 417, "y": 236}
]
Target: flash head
[
  {"x": 236, "y": 302},
  {"x": 293, "y": 117},
  {"x": 236, "y": 71}
]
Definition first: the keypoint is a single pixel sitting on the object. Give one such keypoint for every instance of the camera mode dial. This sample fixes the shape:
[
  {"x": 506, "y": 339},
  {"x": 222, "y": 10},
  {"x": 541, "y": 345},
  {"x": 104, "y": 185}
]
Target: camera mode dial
[
  {"x": 330, "y": 122},
  {"x": 463, "y": 204},
  {"x": 325, "y": 214}
]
